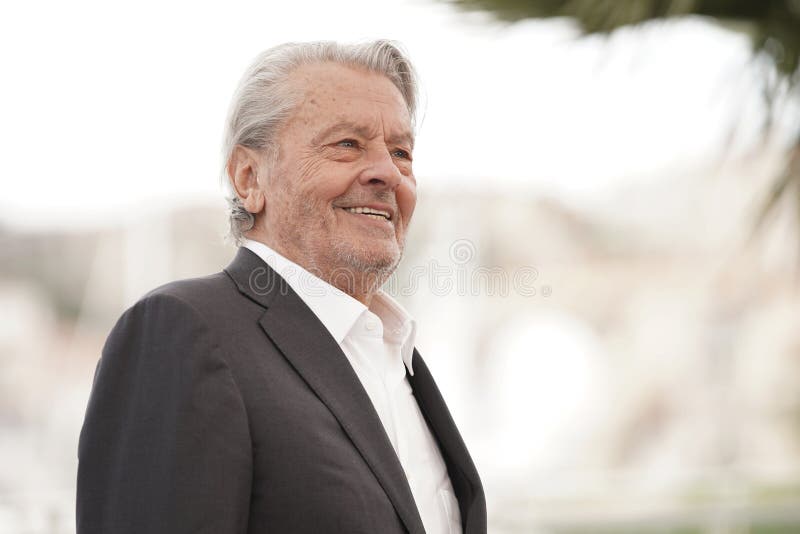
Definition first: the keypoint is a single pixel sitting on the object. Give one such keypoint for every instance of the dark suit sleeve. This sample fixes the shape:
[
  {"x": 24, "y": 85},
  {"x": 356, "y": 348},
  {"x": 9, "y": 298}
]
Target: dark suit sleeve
[{"x": 165, "y": 445}]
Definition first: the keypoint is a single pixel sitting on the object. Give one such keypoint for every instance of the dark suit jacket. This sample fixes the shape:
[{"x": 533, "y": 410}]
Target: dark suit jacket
[{"x": 222, "y": 405}]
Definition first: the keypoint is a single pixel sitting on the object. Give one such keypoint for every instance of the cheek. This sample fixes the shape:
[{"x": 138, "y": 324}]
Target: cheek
[
  {"x": 407, "y": 201},
  {"x": 322, "y": 181}
]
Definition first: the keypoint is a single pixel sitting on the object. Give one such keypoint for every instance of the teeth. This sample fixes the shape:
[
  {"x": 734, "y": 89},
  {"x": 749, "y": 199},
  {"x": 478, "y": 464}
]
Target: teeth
[{"x": 369, "y": 212}]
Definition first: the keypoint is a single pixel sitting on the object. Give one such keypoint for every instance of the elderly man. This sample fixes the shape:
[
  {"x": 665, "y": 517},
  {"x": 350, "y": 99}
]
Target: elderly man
[{"x": 284, "y": 394}]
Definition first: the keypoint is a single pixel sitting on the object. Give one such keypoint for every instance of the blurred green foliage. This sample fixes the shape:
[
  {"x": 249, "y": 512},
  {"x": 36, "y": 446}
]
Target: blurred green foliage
[{"x": 773, "y": 27}]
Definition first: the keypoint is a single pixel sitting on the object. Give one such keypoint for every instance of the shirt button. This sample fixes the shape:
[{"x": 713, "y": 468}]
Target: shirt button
[{"x": 371, "y": 325}]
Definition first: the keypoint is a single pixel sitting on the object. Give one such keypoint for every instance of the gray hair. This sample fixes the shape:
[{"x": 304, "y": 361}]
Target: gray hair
[{"x": 262, "y": 103}]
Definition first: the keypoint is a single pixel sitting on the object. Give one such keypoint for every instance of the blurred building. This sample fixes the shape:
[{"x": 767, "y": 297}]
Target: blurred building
[{"x": 624, "y": 365}]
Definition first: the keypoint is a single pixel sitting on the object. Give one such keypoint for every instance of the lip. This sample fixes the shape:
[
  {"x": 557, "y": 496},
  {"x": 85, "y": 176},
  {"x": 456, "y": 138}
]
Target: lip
[{"x": 375, "y": 206}]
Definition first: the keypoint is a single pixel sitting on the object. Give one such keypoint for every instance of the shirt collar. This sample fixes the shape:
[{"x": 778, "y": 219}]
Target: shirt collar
[{"x": 337, "y": 310}]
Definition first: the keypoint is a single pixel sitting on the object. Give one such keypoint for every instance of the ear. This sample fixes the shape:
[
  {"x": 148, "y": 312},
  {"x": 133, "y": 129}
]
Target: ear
[{"x": 243, "y": 167}]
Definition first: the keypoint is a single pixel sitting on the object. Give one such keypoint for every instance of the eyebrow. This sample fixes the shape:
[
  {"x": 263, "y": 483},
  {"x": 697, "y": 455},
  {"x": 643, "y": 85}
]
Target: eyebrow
[{"x": 361, "y": 131}]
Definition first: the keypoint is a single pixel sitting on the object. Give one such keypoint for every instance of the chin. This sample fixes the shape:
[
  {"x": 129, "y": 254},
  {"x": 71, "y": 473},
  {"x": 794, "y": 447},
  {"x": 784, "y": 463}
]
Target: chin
[{"x": 379, "y": 260}]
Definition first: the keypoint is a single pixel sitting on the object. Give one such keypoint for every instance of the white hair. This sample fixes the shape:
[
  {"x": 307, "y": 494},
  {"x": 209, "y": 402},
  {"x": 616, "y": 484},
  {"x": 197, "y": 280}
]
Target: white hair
[{"x": 262, "y": 101}]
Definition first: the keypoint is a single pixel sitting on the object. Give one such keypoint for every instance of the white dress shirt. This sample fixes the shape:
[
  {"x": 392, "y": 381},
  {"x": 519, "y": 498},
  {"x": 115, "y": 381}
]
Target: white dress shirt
[{"x": 379, "y": 343}]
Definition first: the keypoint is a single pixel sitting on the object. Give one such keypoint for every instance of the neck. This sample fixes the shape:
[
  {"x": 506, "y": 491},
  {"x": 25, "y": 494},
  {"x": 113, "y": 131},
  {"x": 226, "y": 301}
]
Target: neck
[
  {"x": 355, "y": 281},
  {"x": 359, "y": 285}
]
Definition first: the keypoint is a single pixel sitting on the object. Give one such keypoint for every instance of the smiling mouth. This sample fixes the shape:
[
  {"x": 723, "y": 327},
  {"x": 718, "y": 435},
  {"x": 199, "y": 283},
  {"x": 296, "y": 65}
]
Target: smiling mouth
[{"x": 378, "y": 215}]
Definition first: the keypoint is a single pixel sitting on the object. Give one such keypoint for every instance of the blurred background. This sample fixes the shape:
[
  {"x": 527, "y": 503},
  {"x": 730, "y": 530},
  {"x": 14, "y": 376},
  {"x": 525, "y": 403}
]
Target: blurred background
[{"x": 603, "y": 263}]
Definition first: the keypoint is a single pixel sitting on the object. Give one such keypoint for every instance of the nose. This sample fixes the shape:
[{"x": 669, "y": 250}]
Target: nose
[{"x": 381, "y": 170}]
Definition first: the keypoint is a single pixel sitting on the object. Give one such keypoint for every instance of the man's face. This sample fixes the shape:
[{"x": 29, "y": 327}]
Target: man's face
[{"x": 345, "y": 149}]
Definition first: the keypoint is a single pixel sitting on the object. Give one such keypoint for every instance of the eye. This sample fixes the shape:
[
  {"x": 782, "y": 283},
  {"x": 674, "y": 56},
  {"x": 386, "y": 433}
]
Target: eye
[
  {"x": 400, "y": 153},
  {"x": 347, "y": 143}
]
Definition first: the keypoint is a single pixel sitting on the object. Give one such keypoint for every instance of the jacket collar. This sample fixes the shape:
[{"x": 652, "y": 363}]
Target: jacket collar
[
  {"x": 463, "y": 474},
  {"x": 337, "y": 310},
  {"x": 317, "y": 357}
]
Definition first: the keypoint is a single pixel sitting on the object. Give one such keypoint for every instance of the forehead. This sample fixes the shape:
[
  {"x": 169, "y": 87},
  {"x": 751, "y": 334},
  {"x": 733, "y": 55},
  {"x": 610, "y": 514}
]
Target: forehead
[{"x": 331, "y": 93}]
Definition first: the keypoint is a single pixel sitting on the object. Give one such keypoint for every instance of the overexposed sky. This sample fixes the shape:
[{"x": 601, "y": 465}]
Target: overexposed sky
[{"x": 106, "y": 108}]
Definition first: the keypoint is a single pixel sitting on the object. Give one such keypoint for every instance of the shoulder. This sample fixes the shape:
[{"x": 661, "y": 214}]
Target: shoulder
[
  {"x": 205, "y": 296},
  {"x": 178, "y": 325},
  {"x": 193, "y": 291},
  {"x": 177, "y": 304},
  {"x": 211, "y": 302}
]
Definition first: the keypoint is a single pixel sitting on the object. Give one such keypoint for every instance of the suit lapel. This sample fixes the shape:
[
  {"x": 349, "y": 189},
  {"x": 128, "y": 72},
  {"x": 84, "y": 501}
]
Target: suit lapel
[
  {"x": 463, "y": 474},
  {"x": 316, "y": 356}
]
